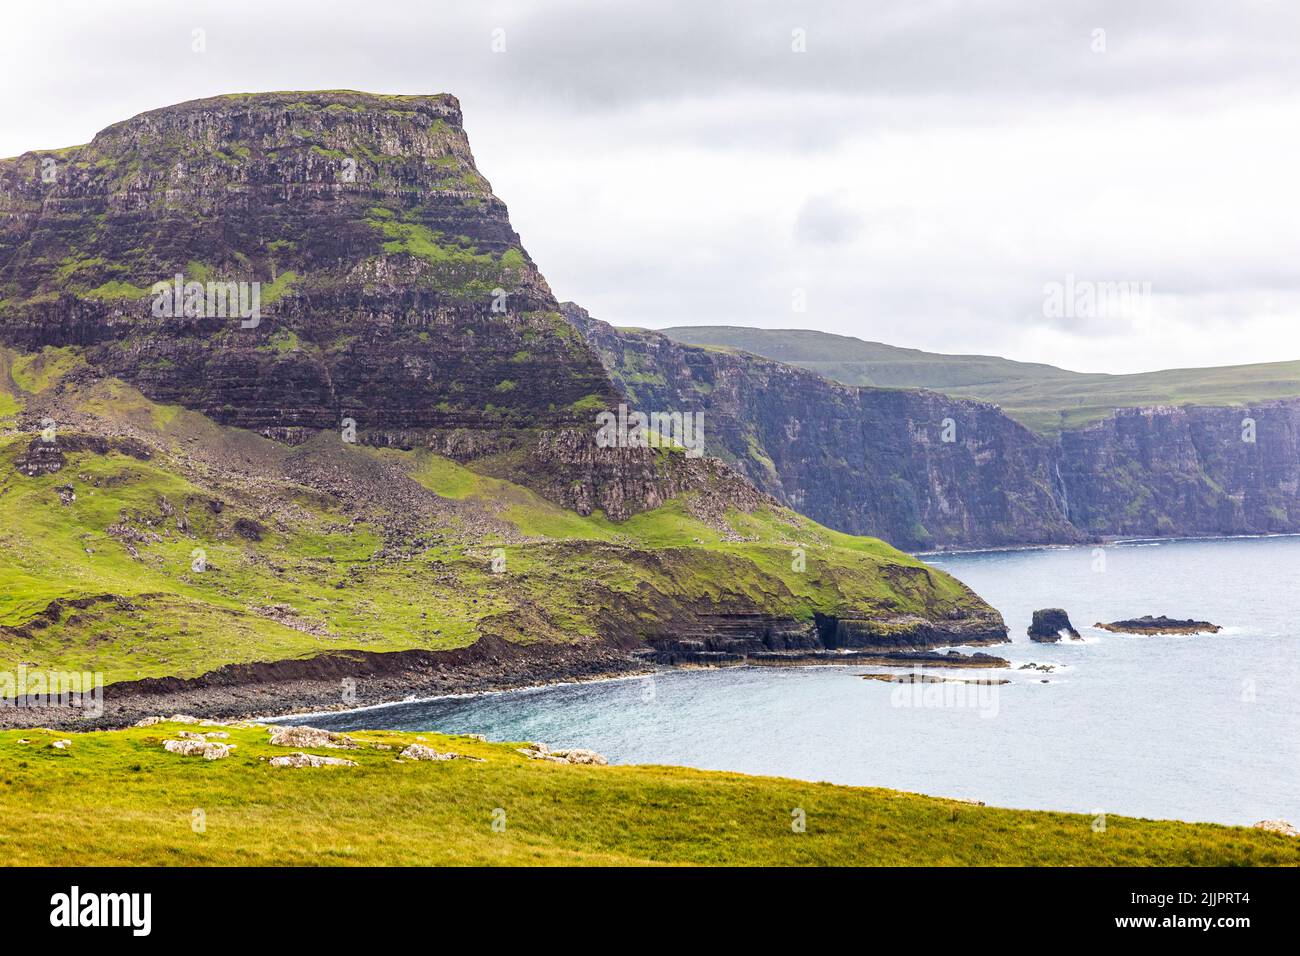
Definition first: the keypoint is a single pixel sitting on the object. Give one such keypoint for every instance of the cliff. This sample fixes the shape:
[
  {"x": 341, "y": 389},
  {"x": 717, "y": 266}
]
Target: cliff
[
  {"x": 874, "y": 460},
  {"x": 393, "y": 290},
  {"x": 862, "y": 460},
  {"x": 1186, "y": 471}
]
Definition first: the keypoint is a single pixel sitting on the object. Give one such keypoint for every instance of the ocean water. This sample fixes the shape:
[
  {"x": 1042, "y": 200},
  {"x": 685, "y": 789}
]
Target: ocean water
[{"x": 1193, "y": 728}]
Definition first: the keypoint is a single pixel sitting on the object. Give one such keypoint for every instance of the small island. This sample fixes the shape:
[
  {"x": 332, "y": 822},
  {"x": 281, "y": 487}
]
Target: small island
[{"x": 1160, "y": 625}]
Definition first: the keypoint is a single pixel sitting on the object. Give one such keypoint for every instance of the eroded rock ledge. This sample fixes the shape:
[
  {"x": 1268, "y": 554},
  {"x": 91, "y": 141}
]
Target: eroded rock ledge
[{"x": 1159, "y": 625}]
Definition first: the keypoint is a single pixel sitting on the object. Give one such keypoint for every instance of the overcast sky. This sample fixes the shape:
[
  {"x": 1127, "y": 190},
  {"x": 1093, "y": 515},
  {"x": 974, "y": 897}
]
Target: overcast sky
[{"x": 919, "y": 175}]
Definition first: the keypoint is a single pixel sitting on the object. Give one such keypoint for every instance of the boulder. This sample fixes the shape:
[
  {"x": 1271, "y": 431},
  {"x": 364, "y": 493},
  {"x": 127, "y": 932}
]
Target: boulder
[
  {"x": 1277, "y": 826},
  {"x": 421, "y": 752},
  {"x": 198, "y": 748},
  {"x": 536, "y": 751},
  {"x": 309, "y": 760},
  {"x": 173, "y": 719},
  {"x": 310, "y": 737},
  {"x": 1048, "y": 624}
]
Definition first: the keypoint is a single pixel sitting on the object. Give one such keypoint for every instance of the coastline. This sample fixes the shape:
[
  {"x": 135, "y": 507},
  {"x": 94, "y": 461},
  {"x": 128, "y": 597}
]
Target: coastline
[{"x": 401, "y": 677}]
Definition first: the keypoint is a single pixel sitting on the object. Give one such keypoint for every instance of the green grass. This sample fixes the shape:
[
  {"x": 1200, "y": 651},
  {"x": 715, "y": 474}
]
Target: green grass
[
  {"x": 1041, "y": 397},
  {"x": 135, "y": 804}
]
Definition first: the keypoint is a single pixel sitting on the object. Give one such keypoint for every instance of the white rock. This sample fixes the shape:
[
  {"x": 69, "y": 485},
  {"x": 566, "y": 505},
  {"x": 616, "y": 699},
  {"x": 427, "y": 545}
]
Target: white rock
[
  {"x": 1277, "y": 826},
  {"x": 421, "y": 752},
  {"x": 198, "y": 748},
  {"x": 310, "y": 760},
  {"x": 538, "y": 751},
  {"x": 310, "y": 737}
]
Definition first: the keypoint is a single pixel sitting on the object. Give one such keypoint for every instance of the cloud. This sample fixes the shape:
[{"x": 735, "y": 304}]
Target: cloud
[
  {"x": 920, "y": 172},
  {"x": 826, "y": 219}
]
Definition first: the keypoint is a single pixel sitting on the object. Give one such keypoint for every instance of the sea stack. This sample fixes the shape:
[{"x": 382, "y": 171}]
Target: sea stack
[{"x": 1048, "y": 624}]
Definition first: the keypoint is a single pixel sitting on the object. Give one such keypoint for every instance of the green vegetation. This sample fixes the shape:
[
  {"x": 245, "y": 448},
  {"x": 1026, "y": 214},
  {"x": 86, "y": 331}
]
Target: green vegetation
[
  {"x": 115, "y": 289},
  {"x": 273, "y": 291},
  {"x": 1041, "y": 397},
  {"x": 136, "y": 805}
]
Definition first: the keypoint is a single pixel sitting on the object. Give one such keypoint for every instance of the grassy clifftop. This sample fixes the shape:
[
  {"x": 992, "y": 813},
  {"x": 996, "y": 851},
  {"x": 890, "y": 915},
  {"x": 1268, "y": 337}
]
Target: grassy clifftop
[
  {"x": 1041, "y": 397},
  {"x": 137, "y": 804}
]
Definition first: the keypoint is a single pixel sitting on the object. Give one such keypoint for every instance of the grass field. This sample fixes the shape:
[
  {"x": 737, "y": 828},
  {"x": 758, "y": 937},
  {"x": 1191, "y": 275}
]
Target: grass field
[{"x": 118, "y": 798}]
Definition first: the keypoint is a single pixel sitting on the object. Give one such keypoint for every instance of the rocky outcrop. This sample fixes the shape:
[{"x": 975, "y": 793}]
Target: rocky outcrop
[
  {"x": 1159, "y": 625},
  {"x": 310, "y": 737},
  {"x": 1048, "y": 625},
  {"x": 538, "y": 751},
  {"x": 198, "y": 748},
  {"x": 570, "y": 468},
  {"x": 1280, "y": 827},
  {"x": 421, "y": 752},
  {"x": 310, "y": 760},
  {"x": 393, "y": 291}
]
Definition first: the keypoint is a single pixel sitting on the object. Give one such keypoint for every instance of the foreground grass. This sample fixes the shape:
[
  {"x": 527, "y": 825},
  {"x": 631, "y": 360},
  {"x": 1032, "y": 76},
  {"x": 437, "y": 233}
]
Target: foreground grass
[{"x": 117, "y": 798}]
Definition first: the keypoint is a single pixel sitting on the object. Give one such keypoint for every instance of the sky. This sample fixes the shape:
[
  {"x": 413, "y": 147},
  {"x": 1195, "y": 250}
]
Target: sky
[{"x": 1104, "y": 186}]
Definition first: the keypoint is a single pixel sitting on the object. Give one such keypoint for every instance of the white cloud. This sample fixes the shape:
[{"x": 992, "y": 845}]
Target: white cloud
[{"x": 921, "y": 171}]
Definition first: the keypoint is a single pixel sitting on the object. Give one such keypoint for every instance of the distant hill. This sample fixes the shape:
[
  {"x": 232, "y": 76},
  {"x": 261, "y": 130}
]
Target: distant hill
[{"x": 1042, "y": 397}]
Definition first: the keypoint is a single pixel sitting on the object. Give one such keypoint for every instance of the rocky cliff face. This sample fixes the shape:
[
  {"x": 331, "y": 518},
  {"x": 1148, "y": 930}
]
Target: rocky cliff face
[
  {"x": 915, "y": 468},
  {"x": 392, "y": 288},
  {"x": 1186, "y": 471},
  {"x": 875, "y": 461}
]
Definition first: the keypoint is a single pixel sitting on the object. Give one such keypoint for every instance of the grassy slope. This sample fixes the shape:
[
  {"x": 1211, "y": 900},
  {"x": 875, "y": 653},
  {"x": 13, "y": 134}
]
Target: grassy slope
[
  {"x": 134, "y": 804},
  {"x": 342, "y": 590},
  {"x": 1042, "y": 397}
]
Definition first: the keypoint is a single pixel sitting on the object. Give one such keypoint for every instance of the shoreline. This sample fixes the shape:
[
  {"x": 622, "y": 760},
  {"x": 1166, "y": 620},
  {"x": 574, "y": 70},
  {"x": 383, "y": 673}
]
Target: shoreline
[
  {"x": 1103, "y": 542},
  {"x": 398, "y": 677}
]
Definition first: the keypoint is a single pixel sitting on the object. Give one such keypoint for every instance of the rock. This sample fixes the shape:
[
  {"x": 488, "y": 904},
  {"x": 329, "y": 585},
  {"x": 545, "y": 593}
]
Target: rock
[
  {"x": 198, "y": 748},
  {"x": 310, "y": 737},
  {"x": 1277, "y": 826},
  {"x": 1048, "y": 624},
  {"x": 537, "y": 751},
  {"x": 309, "y": 760},
  {"x": 1159, "y": 625},
  {"x": 580, "y": 756},
  {"x": 173, "y": 719},
  {"x": 421, "y": 752},
  {"x": 61, "y": 744}
]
